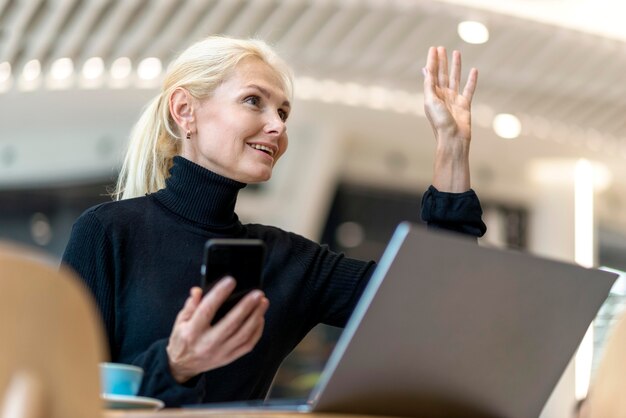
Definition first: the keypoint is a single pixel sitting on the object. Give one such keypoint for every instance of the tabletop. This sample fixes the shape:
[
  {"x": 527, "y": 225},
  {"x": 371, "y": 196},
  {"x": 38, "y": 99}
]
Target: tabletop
[{"x": 218, "y": 413}]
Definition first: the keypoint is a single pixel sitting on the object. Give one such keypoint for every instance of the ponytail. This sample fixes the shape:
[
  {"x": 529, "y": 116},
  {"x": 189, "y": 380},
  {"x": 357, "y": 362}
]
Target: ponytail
[{"x": 150, "y": 154}]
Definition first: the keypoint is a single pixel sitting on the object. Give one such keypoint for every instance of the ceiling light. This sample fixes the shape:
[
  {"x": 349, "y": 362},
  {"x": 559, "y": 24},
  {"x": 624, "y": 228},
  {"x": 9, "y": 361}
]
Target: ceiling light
[
  {"x": 121, "y": 68},
  {"x": 507, "y": 126},
  {"x": 5, "y": 71},
  {"x": 93, "y": 68},
  {"x": 62, "y": 69},
  {"x": 350, "y": 234},
  {"x": 40, "y": 229},
  {"x": 473, "y": 32},
  {"x": 149, "y": 68},
  {"x": 31, "y": 71}
]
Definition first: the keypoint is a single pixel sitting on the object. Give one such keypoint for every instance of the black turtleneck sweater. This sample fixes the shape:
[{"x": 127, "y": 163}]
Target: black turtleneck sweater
[{"x": 139, "y": 257}]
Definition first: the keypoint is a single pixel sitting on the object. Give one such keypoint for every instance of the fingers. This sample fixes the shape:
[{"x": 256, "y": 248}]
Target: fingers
[
  {"x": 470, "y": 86},
  {"x": 248, "y": 345},
  {"x": 238, "y": 332},
  {"x": 442, "y": 76},
  {"x": 432, "y": 64},
  {"x": 436, "y": 74},
  {"x": 249, "y": 333},
  {"x": 430, "y": 74},
  {"x": 201, "y": 318},
  {"x": 195, "y": 295},
  {"x": 233, "y": 320},
  {"x": 455, "y": 76}
]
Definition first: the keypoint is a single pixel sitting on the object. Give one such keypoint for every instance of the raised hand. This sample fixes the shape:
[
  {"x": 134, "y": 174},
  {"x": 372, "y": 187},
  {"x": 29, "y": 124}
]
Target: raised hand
[
  {"x": 196, "y": 346},
  {"x": 449, "y": 112}
]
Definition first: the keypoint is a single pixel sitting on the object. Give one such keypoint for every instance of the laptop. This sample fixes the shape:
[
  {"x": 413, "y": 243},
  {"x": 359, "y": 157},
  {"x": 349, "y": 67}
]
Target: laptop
[{"x": 447, "y": 328}]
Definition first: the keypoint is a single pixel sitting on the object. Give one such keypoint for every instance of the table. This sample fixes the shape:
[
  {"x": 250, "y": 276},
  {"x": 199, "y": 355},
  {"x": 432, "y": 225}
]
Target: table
[{"x": 218, "y": 413}]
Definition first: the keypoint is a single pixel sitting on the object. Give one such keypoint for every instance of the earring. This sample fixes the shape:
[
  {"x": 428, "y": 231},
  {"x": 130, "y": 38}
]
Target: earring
[{"x": 188, "y": 136}]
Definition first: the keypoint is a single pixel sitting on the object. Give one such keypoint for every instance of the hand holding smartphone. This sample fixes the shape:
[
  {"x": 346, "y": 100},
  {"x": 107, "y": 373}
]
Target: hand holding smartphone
[{"x": 240, "y": 258}]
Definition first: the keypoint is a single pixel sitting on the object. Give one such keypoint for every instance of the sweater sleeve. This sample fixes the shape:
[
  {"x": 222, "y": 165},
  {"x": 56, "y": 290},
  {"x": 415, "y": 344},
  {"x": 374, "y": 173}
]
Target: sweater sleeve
[
  {"x": 333, "y": 282},
  {"x": 90, "y": 253},
  {"x": 460, "y": 212},
  {"x": 158, "y": 381}
]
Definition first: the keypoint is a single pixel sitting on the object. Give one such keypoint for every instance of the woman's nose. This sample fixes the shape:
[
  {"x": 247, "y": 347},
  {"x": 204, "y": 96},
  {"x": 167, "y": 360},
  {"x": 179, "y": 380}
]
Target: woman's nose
[{"x": 275, "y": 124}]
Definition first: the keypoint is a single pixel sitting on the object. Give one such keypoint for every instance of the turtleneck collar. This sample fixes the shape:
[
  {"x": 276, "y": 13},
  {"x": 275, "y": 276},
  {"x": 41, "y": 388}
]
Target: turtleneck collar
[{"x": 200, "y": 195}]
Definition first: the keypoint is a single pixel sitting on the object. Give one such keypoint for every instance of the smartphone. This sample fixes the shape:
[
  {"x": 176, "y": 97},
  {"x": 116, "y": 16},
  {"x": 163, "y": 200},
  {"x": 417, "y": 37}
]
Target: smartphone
[{"x": 240, "y": 258}]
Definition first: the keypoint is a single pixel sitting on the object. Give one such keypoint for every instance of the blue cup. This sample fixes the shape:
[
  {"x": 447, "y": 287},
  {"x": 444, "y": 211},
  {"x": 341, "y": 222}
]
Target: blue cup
[{"x": 120, "y": 379}]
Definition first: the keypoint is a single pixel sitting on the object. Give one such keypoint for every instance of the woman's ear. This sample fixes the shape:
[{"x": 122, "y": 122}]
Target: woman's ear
[{"x": 181, "y": 109}]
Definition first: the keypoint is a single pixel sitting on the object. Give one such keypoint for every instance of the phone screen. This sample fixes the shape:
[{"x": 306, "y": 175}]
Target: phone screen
[{"x": 240, "y": 258}]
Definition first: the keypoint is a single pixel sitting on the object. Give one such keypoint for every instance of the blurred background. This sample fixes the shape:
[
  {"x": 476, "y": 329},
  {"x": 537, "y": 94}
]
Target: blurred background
[{"x": 548, "y": 149}]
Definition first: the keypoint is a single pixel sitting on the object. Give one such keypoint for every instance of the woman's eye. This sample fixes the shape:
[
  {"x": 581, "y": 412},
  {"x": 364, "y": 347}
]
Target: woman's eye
[
  {"x": 283, "y": 115},
  {"x": 253, "y": 100}
]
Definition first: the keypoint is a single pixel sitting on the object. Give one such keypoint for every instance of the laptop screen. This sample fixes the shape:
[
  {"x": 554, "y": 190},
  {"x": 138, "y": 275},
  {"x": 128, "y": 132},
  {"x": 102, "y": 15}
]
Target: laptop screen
[{"x": 448, "y": 328}]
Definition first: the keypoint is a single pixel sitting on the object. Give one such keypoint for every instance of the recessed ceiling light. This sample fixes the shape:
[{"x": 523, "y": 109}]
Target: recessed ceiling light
[
  {"x": 32, "y": 70},
  {"x": 62, "y": 69},
  {"x": 121, "y": 68},
  {"x": 149, "y": 68},
  {"x": 93, "y": 68},
  {"x": 473, "y": 32},
  {"x": 507, "y": 126}
]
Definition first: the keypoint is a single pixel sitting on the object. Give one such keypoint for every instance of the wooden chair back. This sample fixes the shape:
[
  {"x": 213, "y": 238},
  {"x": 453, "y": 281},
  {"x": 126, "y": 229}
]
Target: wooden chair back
[{"x": 51, "y": 340}]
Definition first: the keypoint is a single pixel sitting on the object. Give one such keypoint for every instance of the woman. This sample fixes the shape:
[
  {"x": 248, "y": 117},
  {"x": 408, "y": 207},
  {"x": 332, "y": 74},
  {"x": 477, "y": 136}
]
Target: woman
[{"x": 218, "y": 124}]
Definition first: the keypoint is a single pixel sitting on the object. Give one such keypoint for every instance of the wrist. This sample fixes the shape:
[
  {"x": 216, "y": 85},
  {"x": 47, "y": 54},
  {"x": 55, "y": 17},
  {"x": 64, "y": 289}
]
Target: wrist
[
  {"x": 452, "y": 149},
  {"x": 177, "y": 370}
]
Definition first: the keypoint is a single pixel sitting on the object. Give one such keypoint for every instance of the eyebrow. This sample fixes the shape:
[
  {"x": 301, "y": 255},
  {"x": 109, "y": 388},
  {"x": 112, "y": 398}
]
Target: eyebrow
[{"x": 265, "y": 92}]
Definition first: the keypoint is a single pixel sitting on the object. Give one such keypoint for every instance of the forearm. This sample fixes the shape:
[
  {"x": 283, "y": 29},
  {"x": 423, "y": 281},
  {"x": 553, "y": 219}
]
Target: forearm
[{"x": 451, "y": 171}]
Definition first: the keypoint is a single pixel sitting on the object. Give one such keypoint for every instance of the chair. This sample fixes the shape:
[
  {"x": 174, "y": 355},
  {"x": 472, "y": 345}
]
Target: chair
[
  {"x": 606, "y": 396},
  {"x": 51, "y": 340}
]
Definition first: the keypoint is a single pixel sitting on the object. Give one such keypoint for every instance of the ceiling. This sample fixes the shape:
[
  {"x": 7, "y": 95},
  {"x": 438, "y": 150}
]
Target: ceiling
[{"x": 566, "y": 86}]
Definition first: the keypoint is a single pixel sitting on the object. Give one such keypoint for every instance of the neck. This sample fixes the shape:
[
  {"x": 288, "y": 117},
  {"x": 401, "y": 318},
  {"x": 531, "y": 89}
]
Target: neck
[{"x": 200, "y": 195}]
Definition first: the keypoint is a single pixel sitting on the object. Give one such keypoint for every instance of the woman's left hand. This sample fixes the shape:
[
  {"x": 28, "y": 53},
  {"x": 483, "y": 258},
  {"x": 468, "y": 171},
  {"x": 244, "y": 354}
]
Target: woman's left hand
[{"x": 449, "y": 112}]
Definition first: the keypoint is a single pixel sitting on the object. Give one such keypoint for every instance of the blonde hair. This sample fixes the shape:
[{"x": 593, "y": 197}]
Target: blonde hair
[{"x": 200, "y": 69}]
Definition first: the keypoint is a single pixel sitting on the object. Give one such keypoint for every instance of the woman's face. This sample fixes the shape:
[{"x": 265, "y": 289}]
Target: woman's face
[{"x": 240, "y": 130}]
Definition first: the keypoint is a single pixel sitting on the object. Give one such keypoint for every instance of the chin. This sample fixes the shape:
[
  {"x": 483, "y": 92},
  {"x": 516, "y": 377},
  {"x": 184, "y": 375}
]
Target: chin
[
  {"x": 263, "y": 179},
  {"x": 256, "y": 178}
]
